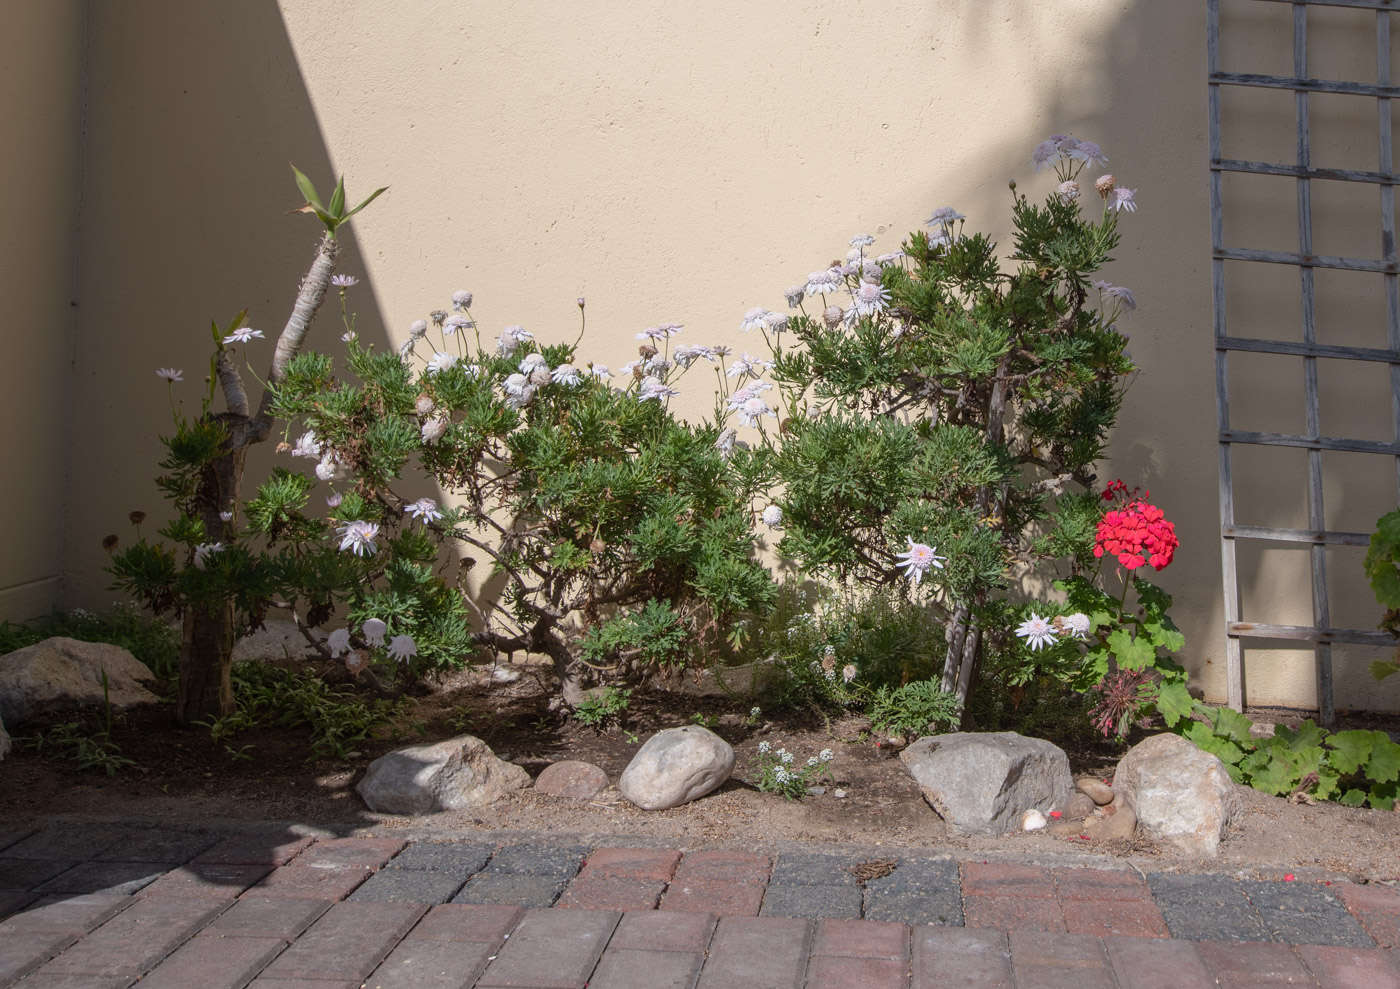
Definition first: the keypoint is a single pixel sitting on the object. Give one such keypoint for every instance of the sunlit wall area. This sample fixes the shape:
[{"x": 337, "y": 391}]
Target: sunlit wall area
[
  {"x": 41, "y": 72},
  {"x": 673, "y": 163}
]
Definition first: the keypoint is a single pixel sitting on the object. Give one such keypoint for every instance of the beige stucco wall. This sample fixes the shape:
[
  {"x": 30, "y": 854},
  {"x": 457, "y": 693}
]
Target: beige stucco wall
[
  {"x": 41, "y": 73},
  {"x": 680, "y": 163}
]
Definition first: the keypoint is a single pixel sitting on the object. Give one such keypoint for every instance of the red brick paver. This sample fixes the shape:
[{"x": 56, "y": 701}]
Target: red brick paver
[
  {"x": 957, "y": 958},
  {"x": 605, "y": 893},
  {"x": 757, "y": 951},
  {"x": 467, "y": 922},
  {"x": 263, "y": 917},
  {"x": 1002, "y": 879},
  {"x": 1059, "y": 961},
  {"x": 741, "y": 899},
  {"x": 21, "y": 952},
  {"x": 1011, "y": 913},
  {"x": 1100, "y": 884},
  {"x": 347, "y": 942},
  {"x": 1378, "y": 909},
  {"x": 254, "y": 849},
  {"x": 1143, "y": 963},
  {"x": 74, "y": 915},
  {"x": 134, "y": 940},
  {"x": 650, "y": 930},
  {"x": 209, "y": 879},
  {"x": 630, "y": 968},
  {"x": 1248, "y": 964},
  {"x": 551, "y": 949},
  {"x": 1347, "y": 968},
  {"x": 311, "y": 882},
  {"x": 423, "y": 964},
  {"x": 1106, "y": 918},
  {"x": 214, "y": 963},
  {"x": 722, "y": 866},
  {"x": 654, "y": 864}
]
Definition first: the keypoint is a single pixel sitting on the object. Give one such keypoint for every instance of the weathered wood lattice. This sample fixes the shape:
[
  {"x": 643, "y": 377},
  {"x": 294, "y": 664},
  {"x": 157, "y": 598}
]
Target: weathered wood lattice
[{"x": 1321, "y": 633}]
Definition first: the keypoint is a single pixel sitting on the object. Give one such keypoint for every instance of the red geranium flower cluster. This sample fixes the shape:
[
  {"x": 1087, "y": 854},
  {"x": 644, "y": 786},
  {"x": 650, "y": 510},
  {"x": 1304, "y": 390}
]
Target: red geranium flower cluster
[{"x": 1136, "y": 533}]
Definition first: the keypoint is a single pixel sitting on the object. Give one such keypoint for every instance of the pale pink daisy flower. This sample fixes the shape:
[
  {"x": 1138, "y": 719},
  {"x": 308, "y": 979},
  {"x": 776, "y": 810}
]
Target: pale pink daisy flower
[
  {"x": 242, "y": 335},
  {"x": 944, "y": 216},
  {"x": 424, "y": 509},
  {"x": 169, "y": 374},
  {"x": 359, "y": 538},
  {"x": 753, "y": 410},
  {"x": 338, "y": 642},
  {"x": 755, "y": 319},
  {"x": 918, "y": 559},
  {"x": 1068, "y": 191},
  {"x": 461, "y": 300},
  {"x": 794, "y": 295},
  {"x": 1123, "y": 200},
  {"x": 345, "y": 281},
  {"x": 871, "y": 298}
]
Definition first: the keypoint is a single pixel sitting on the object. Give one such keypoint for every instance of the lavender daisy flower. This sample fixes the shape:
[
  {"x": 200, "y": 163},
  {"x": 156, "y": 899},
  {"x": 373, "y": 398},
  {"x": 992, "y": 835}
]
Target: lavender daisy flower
[
  {"x": 822, "y": 282},
  {"x": 417, "y": 329},
  {"x": 919, "y": 559},
  {"x": 777, "y": 322},
  {"x": 753, "y": 410},
  {"x": 203, "y": 551},
  {"x": 424, "y": 509},
  {"x": 1045, "y": 153},
  {"x": 169, "y": 374},
  {"x": 1118, "y": 294},
  {"x": 725, "y": 443},
  {"x": 511, "y": 338},
  {"x": 794, "y": 295},
  {"x": 862, "y": 240},
  {"x": 333, "y": 499},
  {"x": 438, "y": 316},
  {"x": 307, "y": 446},
  {"x": 1037, "y": 632},
  {"x": 944, "y": 216},
  {"x": 654, "y": 387},
  {"x": 242, "y": 335},
  {"x": 359, "y": 538},
  {"x": 1123, "y": 199},
  {"x": 344, "y": 281},
  {"x": 461, "y": 300},
  {"x": 1089, "y": 153},
  {"x": 871, "y": 299},
  {"x": 454, "y": 323},
  {"x": 600, "y": 371}
]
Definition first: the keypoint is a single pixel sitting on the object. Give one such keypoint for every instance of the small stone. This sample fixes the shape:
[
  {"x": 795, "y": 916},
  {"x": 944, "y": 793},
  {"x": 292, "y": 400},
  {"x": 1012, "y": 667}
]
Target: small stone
[
  {"x": 420, "y": 779},
  {"x": 1096, "y": 790},
  {"x": 504, "y": 674},
  {"x": 1079, "y": 807},
  {"x": 1119, "y": 825},
  {"x": 1033, "y": 820},
  {"x": 676, "y": 766},
  {"x": 816, "y": 791},
  {"x": 353, "y": 755},
  {"x": 841, "y": 795},
  {"x": 571, "y": 779}
]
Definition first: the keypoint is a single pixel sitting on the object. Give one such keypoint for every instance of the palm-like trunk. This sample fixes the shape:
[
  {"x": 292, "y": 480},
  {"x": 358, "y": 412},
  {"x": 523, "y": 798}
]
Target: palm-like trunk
[{"x": 206, "y": 647}]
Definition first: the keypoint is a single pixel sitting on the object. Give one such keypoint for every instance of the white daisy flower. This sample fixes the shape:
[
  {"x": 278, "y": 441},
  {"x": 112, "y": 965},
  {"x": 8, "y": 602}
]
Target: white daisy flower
[
  {"x": 794, "y": 295},
  {"x": 753, "y": 410},
  {"x": 871, "y": 299},
  {"x": 338, "y": 642},
  {"x": 433, "y": 430},
  {"x": 1037, "y": 632},
  {"x": 461, "y": 300},
  {"x": 242, "y": 335},
  {"x": 373, "y": 630},
  {"x": 1076, "y": 624},
  {"x": 1123, "y": 199},
  {"x": 169, "y": 374},
  {"x": 862, "y": 240},
  {"x": 773, "y": 516},
  {"x": 755, "y": 319},
  {"x": 532, "y": 361},
  {"x": 203, "y": 551},
  {"x": 401, "y": 647},
  {"x": 565, "y": 374}
]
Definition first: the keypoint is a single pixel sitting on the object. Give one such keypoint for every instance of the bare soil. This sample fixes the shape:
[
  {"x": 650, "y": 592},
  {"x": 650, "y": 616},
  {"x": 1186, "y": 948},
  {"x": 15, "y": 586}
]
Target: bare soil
[{"x": 183, "y": 775}]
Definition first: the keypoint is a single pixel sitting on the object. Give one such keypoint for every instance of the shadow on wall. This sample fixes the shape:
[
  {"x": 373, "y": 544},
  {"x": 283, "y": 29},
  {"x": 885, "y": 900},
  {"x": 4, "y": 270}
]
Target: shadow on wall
[{"x": 224, "y": 110}]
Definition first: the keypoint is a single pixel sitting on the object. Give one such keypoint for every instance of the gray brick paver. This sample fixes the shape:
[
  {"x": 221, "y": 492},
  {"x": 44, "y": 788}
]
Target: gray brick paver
[
  {"x": 960, "y": 958},
  {"x": 408, "y": 886},
  {"x": 917, "y": 892},
  {"x": 455, "y": 857},
  {"x": 512, "y": 889},
  {"x": 815, "y": 869},
  {"x": 423, "y": 964},
  {"x": 1306, "y": 913},
  {"x": 558, "y": 861},
  {"x": 1200, "y": 908},
  {"x": 813, "y": 902}
]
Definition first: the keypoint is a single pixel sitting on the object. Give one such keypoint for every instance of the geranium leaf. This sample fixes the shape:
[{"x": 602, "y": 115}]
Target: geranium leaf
[{"x": 1349, "y": 750}]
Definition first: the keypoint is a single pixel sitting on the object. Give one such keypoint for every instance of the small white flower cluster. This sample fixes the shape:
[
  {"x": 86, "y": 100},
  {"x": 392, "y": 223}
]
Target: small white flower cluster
[{"x": 400, "y": 647}]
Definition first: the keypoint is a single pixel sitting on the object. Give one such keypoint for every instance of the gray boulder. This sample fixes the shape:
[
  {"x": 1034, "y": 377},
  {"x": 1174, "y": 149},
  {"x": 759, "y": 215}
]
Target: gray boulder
[
  {"x": 1182, "y": 796},
  {"x": 62, "y": 674},
  {"x": 676, "y": 766},
  {"x": 981, "y": 783},
  {"x": 458, "y": 773}
]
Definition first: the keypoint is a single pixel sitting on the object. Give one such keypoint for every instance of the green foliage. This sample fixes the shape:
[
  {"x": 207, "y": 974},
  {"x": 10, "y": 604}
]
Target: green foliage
[
  {"x": 603, "y": 707},
  {"x": 1351, "y": 767},
  {"x": 654, "y": 635},
  {"x": 81, "y": 744},
  {"x": 1383, "y": 570},
  {"x": 153, "y": 642},
  {"x": 333, "y": 214},
  {"x": 270, "y": 696},
  {"x": 918, "y": 708},
  {"x": 778, "y": 771}
]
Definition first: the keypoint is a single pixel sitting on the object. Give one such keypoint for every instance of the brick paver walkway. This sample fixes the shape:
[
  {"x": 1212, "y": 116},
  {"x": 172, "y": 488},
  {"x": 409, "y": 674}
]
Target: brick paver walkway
[{"x": 110, "y": 906}]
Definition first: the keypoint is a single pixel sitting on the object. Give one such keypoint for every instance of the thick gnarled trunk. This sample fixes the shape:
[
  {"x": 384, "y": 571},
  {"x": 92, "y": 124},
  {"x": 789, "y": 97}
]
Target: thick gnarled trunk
[{"x": 206, "y": 659}]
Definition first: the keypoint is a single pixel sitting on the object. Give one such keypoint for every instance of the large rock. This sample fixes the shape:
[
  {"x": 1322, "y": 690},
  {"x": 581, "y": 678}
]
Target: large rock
[
  {"x": 676, "y": 766},
  {"x": 981, "y": 783},
  {"x": 460, "y": 772},
  {"x": 277, "y": 639},
  {"x": 62, "y": 674},
  {"x": 1182, "y": 796}
]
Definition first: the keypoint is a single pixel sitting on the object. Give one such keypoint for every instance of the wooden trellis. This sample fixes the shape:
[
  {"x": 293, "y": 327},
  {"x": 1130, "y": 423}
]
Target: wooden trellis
[{"x": 1321, "y": 633}]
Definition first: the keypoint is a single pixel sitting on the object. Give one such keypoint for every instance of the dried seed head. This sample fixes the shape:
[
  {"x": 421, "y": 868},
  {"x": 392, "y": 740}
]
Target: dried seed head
[
  {"x": 137, "y": 517},
  {"x": 110, "y": 543}
]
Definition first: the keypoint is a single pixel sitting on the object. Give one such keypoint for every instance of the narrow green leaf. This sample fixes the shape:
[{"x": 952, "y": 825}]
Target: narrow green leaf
[
  {"x": 307, "y": 189},
  {"x": 337, "y": 205},
  {"x": 372, "y": 197}
]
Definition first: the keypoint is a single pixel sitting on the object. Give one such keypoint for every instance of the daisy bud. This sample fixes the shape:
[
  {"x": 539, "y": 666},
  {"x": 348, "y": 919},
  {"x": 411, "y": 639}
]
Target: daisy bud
[
  {"x": 424, "y": 405},
  {"x": 580, "y": 302},
  {"x": 284, "y": 447},
  {"x": 832, "y": 315},
  {"x": 647, "y": 351},
  {"x": 1103, "y": 185},
  {"x": 539, "y": 377},
  {"x": 136, "y": 517}
]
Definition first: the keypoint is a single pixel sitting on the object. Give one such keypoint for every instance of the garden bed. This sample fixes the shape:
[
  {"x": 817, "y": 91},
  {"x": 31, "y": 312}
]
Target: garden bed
[{"x": 185, "y": 775}]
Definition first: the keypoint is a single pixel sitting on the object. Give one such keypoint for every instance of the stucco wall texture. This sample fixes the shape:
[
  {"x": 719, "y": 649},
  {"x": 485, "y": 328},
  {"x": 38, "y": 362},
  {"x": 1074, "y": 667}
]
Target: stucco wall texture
[{"x": 684, "y": 163}]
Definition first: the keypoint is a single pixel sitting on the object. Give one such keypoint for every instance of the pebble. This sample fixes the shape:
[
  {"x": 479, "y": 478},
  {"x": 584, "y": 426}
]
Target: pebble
[
  {"x": 502, "y": 674},
  {"x": 841, "y": 795},
  {"x": 1097, "y": 790},
  {"x": 1121, "y": 824},
  {"x": 816, "y": 791},
  {"x": 1033, "y": 820},
  {"x": 1079, "y": 807}
]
